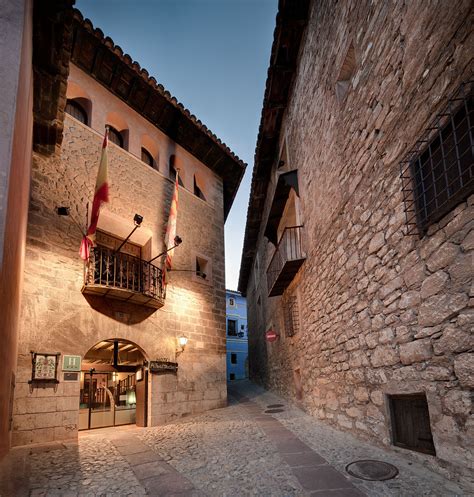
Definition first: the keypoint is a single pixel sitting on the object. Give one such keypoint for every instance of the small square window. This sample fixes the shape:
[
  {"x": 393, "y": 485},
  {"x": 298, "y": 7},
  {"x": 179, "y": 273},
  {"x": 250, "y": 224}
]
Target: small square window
[
  {"x": 201, "y": 267},
  {"x": 232, "y": 376},
  {"x": 233, "y": 358},
  {"x": 231, "y": 302}
]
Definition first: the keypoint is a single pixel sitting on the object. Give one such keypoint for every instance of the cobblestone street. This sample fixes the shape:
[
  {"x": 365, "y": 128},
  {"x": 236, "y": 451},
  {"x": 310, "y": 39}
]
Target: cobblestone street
[{"x": 235, "y": 451}]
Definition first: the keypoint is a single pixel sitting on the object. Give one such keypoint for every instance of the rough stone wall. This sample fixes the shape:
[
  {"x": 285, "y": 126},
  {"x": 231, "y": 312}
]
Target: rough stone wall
[
  {"x": 381, "y": 313},
  {"x": 56, "y": 317}
]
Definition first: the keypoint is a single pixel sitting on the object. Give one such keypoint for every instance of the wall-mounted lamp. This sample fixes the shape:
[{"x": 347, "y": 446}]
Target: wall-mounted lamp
[
  {"x": 65, "y": 212},
  {"x": 182, "y": 341},
  {"x": 62, "y": 211},
  {"x": 137, "y": 221},
  {"x": 177, "y": 241}
]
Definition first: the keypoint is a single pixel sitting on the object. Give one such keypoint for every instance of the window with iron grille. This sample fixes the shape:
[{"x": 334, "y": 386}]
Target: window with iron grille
[
  {"x": 438, "y": 173},
  {"x": 291, "y": 315}
]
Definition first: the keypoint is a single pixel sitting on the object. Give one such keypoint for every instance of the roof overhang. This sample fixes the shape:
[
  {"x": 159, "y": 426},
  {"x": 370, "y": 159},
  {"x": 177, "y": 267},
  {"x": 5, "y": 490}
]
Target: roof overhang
[
  {"x": 61, "y": 36},
  {"x": 291, "y": 21}
]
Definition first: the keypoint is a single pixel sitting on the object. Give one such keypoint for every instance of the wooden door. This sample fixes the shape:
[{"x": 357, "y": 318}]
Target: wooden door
[
  {"x": 141, "y": 395},
  {"x": 411, "y": 423}
]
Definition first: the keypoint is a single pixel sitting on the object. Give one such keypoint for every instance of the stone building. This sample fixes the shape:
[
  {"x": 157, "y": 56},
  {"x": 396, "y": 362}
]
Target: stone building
[
  {"x": 101, "y": 343},
  {"x": 358, "y": 244}
]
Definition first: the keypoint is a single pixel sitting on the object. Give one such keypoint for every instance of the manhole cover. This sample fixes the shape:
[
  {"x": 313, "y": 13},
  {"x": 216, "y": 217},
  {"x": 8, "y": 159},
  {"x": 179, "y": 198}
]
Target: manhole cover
[
  {"x": 272, "y": 406},
  {"x": 372, "y": 470},
  {"x": 273, "y": 411}
]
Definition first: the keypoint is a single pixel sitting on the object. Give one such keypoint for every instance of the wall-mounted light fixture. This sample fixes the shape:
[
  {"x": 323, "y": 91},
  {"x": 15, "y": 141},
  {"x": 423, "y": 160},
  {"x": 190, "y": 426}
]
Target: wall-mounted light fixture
[
  {"x": 137, "y": 221},
  {"x": 177, "y": 241},
  {"x": 64, "y": 211},
  {"x": 182, "y": 341}
]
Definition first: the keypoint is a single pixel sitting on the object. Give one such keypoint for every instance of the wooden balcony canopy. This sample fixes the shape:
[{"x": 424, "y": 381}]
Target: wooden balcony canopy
[{"x": 285, "y": 183}]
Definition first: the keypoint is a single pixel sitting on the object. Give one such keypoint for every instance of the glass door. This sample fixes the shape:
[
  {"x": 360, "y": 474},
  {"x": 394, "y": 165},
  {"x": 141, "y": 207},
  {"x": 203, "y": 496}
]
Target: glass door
[{"x": 106, "y": 399}]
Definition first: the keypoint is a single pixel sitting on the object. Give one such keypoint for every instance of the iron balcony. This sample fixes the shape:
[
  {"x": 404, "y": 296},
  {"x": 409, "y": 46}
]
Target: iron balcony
[{"x": 123, "y": 277}]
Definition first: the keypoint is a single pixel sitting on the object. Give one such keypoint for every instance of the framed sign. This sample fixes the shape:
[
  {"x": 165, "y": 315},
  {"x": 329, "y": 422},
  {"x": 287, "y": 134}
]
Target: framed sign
[
  {"x": 163, "y": 367},
  {"x": 72, "y": 363},
  {"x": 44, "y": 367},
  {"x": 139, "y": 374}
]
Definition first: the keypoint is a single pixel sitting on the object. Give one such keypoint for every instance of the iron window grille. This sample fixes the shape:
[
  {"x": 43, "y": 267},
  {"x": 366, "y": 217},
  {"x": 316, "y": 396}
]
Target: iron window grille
[
  {"x": 438, "y": 173},
  {"x": 291, "y": 315}
]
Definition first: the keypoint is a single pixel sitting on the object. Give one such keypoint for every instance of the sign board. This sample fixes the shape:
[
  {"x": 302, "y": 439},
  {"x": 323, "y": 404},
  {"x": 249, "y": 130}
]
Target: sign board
[
  {"x": 163, "y": 367},
  {"x": 71, "y": 376},
  {"x": 71, "y": 363},
  {"x": 271, "y": 336}
]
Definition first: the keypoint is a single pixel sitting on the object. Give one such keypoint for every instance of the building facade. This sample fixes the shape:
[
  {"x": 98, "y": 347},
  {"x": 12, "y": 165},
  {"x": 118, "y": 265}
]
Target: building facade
[
  {"x": 358, "y": 244},
  {"x": 237, "y": 336},
  {"x": 103, "y": 343}
]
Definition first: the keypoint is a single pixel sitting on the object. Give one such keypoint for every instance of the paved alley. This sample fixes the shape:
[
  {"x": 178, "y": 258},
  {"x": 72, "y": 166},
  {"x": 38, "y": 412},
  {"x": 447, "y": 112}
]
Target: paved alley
[{"x": 236, "y": 451}]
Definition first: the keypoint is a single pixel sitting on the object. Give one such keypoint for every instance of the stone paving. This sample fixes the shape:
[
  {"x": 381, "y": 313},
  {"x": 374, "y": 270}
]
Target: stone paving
[{"x": 235, "y": 451}]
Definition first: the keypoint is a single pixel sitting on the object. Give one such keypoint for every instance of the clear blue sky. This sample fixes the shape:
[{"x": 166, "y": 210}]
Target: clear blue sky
[{"x": 213, "y": 56}]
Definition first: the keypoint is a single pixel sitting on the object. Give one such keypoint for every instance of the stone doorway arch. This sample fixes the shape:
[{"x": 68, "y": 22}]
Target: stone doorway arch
[{"x": 113, "y": 389}]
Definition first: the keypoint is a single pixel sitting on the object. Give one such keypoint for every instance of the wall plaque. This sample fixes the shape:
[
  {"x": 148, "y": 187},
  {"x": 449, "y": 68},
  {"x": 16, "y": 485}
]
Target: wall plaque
[
  {"x": 71, "y": 376},
  {"x": 163, "y": 367},
  {"x": 71, "y": 363},
  {"x": 44, "y": 367}
]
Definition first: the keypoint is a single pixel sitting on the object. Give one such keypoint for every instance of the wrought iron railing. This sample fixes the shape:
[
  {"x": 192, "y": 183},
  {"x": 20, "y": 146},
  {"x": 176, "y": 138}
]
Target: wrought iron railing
[
  {"x": 117, "y": 270},
  {"x": 290, "y": 248}
]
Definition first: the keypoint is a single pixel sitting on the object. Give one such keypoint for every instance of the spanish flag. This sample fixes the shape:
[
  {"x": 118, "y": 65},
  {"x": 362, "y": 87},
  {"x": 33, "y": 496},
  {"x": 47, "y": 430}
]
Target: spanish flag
[
  {"x": 101, "y": 195},
  {"x": 171, "y": 229}
]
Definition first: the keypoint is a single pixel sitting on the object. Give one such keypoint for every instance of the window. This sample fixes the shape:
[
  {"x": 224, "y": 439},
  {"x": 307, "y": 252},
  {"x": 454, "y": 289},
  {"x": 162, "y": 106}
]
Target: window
[
  {"x": 291, "y": 315},
  {"x": 443, "y": 172},
  {"x": 173, "y": 172},
  {"x": 75, "y": 109},
  {"x": 231, "y": 302},
  {"x": 346, "y": 74},
  {"x": 201, "y": 267},
  {"x": 231, "y": 376},
  {"x": 233, "y": 358},
  {"x": 242, "y": 326},
  {"x": 437, "y": 174},
  {"x": 232, "y": 327},
  {"x": 410, "y": 421},
  {"x": 115, "y": 136},
  {"x": 198, "y": 191},
  {"x": 147, "y": 158}
]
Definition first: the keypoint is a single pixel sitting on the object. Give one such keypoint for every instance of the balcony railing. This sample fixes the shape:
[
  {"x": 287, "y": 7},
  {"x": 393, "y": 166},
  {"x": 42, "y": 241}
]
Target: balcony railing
[
  {"x": 123, "y": 277},
  {"x": 286, "y": 261}
]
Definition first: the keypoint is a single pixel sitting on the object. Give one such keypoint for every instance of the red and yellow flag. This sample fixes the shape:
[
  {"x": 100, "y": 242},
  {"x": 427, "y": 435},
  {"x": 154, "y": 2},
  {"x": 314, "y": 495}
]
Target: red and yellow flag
[
  {"x": 101, "y": 195},
  {"x": 171, "y": 229}
]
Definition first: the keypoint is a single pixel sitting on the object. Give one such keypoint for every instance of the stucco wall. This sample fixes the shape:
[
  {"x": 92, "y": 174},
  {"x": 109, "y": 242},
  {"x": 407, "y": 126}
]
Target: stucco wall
[
  {"x": 16, "y": 118},
  {"x": 56, "y": 317},
  {"x": 380, "y": 313}
]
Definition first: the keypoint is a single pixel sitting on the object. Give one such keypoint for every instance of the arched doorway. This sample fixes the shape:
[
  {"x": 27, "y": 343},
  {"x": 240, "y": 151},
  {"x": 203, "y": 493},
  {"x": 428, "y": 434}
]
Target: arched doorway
[{"x": 113, "y": 385}]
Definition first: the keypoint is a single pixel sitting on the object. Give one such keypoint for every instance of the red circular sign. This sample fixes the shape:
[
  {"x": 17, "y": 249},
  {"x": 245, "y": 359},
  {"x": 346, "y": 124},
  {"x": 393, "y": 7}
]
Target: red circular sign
[{"x": 271, "y": 336}]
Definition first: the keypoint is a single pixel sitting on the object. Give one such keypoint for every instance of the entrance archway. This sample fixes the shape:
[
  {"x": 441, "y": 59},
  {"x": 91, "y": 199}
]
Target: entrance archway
[{"x": 113, "y": 385}]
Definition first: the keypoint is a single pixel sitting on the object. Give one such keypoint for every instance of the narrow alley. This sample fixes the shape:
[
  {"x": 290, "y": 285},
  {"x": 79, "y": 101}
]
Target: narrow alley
[{"x": 256, "y": 446}]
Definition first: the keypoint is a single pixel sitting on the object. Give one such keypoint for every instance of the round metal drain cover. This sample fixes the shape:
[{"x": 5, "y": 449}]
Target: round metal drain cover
[
  {"x": 273, "y": 411},
  {"x": 272, "y": 406},
  {"x": 372, "y": 470}
]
